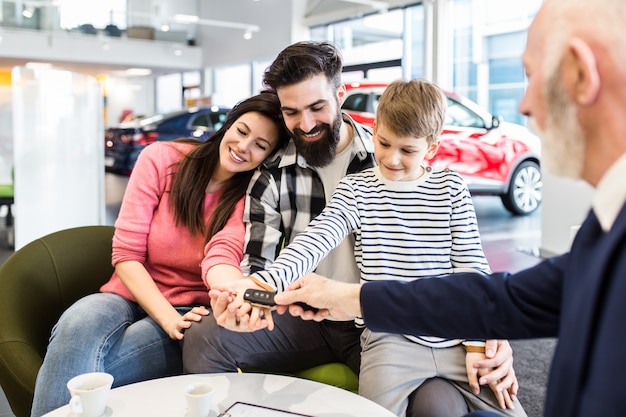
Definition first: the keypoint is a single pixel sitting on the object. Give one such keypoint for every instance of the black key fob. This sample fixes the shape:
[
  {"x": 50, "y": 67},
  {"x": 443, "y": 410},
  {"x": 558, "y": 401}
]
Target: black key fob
[{"x": 259, "y": 298}]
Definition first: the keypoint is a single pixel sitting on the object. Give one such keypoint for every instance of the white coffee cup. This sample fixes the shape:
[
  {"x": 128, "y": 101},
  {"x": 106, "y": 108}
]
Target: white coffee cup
[
  {"x": 89, "y": 393},
  {"x": 199, "y": 396}
]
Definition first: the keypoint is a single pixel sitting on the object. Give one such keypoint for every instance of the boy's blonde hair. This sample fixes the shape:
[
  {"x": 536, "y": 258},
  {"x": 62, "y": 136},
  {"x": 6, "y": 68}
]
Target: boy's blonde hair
[{"x": 413, "y": 108}]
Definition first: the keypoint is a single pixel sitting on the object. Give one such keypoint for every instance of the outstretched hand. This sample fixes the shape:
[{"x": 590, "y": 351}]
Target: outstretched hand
[{"x": 332, "y": 299}]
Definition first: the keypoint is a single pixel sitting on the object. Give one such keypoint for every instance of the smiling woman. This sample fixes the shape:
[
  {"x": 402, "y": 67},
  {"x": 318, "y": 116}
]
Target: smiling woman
[{"x": 169, "y": 235}]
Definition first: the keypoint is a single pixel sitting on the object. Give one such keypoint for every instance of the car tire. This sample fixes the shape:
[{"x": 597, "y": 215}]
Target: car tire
[{"x": 524, "y": 193}]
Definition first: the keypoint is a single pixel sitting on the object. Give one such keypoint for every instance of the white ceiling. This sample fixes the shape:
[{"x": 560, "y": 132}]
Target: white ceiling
[
  {"x": 327, "y": 11},
  {"x": 315, "y": 12}
]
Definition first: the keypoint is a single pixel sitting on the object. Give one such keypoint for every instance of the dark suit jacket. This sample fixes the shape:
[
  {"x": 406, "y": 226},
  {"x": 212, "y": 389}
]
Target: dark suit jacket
[{"x": 579, "y": 297}]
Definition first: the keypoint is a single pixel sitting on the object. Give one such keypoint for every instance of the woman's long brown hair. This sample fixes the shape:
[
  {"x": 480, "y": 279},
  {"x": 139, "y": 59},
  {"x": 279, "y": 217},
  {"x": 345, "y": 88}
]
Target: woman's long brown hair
[{"x": 197, "y": 167}]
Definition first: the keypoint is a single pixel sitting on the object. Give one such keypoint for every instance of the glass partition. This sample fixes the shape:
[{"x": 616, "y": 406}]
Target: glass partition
[
  {"x": 58, "y": 152},
  {"x": 117, "y": 18},
  {"x": 6, "y": 135},
  {"x": 67, "y": 15}
]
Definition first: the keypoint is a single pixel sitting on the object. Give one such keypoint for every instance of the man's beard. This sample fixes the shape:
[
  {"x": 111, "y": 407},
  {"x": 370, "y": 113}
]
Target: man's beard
[
  {"x": 322, "y": 151},
  {"x": 563, "y": 144}
]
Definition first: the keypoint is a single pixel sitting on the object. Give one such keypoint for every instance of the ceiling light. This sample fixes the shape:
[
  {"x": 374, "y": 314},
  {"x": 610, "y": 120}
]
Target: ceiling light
[
  {"x": 376, "y": 4},
  {"x": 138, "y": 71},
  {"x": 190, "y": 19},
  {"x": 38, "y": 65},
  {"x": 28, "y": 12},
  {"x": 186, "y": 18},
  {"x": 247, "y": 35},
  {"x": 165, "y": 27}
]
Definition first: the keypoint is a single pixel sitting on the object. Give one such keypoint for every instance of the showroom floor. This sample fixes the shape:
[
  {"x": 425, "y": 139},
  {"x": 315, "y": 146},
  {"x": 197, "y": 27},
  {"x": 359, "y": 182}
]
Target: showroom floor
[{"x": 510, "y": 243}]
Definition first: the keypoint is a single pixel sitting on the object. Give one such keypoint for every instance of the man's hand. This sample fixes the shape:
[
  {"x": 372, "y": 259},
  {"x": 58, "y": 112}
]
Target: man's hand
[
  {"x": 336, "y": 299},
  {"x": 496, "y": 370}
]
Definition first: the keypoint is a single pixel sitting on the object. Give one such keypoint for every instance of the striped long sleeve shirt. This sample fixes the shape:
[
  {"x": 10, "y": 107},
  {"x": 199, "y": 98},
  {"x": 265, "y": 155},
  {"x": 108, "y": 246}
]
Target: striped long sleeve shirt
[{"x": 403, "y": 231}]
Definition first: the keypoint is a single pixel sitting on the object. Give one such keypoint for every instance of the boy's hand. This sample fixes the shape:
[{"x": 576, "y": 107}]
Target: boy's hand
[{"x": 494, "y": 368}]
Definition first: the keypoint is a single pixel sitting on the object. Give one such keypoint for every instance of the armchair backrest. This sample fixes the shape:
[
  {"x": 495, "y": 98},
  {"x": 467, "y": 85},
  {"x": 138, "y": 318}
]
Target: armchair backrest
[{"x": 37, "y": 283}]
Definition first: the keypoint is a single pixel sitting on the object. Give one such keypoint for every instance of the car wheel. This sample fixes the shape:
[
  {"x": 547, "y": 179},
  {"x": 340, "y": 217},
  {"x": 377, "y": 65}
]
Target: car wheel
[{"x": 524, "y": 193}]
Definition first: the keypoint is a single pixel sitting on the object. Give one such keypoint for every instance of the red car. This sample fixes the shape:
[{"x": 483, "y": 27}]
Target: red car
[{"x": 494, "y": 157}]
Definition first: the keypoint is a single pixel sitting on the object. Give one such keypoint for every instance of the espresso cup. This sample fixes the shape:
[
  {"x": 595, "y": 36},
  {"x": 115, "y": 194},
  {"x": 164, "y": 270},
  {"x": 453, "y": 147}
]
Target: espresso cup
[
  {"x": 89, "y": 393},
  {"x": 199, "y": 396}
]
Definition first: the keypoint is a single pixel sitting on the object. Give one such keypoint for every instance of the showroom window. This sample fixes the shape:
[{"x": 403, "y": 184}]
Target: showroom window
[
  {"x": 99, "y": 14},
  {"x": 78, "y": 15},
  {"x": 373, "y": 46},
  {"x": 486, "y": 40},
  {"x": 487, "y": 43}
]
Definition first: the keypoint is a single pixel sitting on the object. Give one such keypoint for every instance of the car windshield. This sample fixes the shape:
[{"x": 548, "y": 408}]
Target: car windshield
[
  {"x": 356, "y": 102},
  {"x": 148, "y": 120},
  {"x": 459, "y": 115}
]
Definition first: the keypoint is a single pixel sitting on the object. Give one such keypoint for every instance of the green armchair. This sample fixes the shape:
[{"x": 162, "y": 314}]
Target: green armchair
[
  {"x": 41, "y": 280},
  {"x": 37, "y": 283}
]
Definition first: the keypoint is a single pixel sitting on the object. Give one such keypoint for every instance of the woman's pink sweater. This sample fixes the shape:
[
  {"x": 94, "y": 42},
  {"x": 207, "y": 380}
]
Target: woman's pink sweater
[{"x": 145, "y": 232}]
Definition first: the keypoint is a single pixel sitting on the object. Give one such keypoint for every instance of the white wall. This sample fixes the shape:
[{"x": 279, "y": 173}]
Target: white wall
[
  {"x": 136, "y": 94},
  {"x": 565, "y": 205},
  {"x": 274, "y": 17}
]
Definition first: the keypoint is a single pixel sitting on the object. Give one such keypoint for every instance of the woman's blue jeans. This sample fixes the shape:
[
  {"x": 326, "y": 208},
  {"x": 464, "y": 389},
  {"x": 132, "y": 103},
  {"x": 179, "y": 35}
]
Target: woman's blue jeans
[{"x": 104, "y": 332}]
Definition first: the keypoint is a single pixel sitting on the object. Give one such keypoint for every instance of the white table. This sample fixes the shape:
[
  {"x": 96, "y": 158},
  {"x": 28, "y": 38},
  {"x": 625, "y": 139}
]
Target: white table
[{"x": 164, "y": 397}]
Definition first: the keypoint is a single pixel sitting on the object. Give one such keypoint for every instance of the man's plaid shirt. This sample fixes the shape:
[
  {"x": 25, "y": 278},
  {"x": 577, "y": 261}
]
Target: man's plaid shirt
[{"x": 285, "y": 194}]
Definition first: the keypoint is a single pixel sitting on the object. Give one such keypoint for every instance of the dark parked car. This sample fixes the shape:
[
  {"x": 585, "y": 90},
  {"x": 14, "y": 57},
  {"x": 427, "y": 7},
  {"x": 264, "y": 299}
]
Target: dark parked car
[
  {"x": 494, "y": 157},
  {"x": 124, "y": 142}
]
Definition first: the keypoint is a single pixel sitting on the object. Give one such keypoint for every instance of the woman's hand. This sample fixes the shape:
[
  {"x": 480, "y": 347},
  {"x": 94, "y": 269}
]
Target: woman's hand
[
  {"x": 233, "y": 313},
  {"x": 176, "y": 330}
]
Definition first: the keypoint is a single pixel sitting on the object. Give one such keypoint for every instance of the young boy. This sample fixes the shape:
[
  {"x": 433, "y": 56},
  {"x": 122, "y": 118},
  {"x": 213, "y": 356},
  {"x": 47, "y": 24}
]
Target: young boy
[{"x": 409, "y": 221}]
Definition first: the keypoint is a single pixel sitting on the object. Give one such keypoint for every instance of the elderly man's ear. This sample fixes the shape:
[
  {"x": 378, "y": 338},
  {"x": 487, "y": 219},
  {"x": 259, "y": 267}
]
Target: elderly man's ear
[{"x": 581, "y": 78}]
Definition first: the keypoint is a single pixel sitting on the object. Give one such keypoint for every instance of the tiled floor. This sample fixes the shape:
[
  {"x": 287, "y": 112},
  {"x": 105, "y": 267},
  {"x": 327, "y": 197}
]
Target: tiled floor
[
  {"x": 5, "y": 410},
  {"x": 509, "y": 243}
]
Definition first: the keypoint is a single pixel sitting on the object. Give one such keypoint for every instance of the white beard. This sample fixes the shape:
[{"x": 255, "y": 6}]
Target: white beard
[{"x": 563, "y": 143}]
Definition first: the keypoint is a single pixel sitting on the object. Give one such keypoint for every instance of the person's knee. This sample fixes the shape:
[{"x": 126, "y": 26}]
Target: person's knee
[
  {"x": 95, "y": 310},
  {"x": 199, "y": 341},
  {"x": 436, "y": 397}
]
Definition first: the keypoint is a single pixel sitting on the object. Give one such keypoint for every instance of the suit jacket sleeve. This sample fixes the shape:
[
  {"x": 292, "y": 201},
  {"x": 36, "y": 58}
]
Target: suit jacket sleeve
[{"x": 469, "y": 305}]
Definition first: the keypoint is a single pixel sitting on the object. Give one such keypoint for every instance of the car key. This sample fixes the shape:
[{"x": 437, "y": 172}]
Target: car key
[
  {"x": 259, "y": 298},
  {"x": 265, "y": 299}
]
